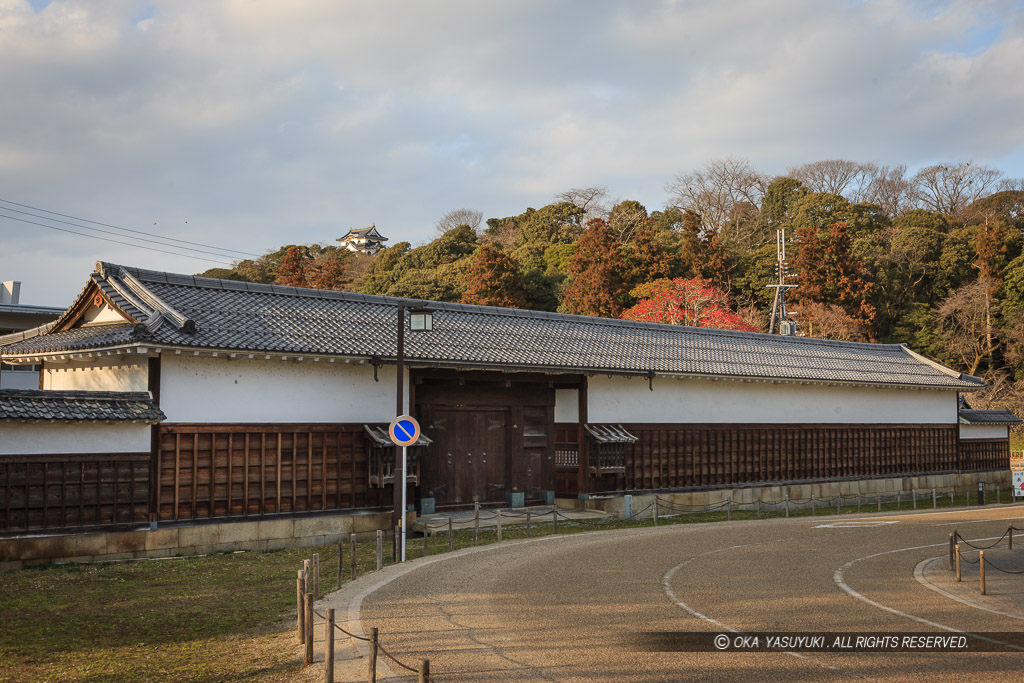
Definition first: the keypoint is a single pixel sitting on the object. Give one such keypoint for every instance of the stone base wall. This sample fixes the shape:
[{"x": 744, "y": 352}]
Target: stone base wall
[
  {"x": 747, "y": 497},
  {"x": 200, "y": 539}
]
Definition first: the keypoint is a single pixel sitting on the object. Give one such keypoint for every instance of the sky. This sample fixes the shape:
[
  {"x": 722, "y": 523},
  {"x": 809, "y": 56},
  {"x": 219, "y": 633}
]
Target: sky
[{"x": 247, "y": 125}]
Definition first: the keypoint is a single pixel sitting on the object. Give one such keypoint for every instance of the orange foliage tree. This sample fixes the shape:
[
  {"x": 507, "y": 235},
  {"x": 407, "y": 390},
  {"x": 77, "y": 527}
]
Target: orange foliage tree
[{"x": 694, "y": 302}]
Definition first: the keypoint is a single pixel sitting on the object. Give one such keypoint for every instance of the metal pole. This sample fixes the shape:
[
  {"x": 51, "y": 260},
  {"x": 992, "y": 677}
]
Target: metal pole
[
  {"x": 405, "y": 503},
  {"x": 399, "y": 468}
]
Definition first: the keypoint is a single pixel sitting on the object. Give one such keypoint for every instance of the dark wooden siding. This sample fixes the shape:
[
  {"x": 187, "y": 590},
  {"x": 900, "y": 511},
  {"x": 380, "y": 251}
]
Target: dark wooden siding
[
  {"x": 208, "y": 471},
  {"x": 686, "y": 455},
  {"x": 71, "y": 492},
  {"x": 984, "y": 454}
]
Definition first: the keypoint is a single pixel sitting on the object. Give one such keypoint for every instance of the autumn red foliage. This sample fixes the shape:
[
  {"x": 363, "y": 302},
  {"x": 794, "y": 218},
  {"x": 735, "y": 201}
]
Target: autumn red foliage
[
  {"x": 694, "y": 302},
  {"x": 494, "y": 279}
]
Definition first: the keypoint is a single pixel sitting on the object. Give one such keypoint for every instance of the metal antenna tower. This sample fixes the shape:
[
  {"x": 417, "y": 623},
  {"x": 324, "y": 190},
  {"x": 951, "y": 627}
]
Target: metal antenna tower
[{"x": 779, "y": 305}]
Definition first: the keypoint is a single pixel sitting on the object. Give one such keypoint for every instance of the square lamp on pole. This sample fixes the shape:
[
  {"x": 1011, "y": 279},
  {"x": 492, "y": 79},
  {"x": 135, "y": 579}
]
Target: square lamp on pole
[{"x": 420, "y": 320}]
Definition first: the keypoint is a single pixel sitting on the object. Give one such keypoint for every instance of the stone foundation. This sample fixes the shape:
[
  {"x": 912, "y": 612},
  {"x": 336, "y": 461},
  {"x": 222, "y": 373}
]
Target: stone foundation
[
  {"x": 199, "y": 539},
  {"x": 745, "y": 498}
]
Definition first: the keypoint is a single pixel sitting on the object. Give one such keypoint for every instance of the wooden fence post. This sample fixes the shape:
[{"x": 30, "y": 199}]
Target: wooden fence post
[
  {"x": 1011, "y": 536},
  {"x": 655, "y": 510},
  {"x": 341, "y": 559},
  {"x": 451, "y": 544},
  {"x": 309, "y": 628},
  {"x": 316, "y": 576},
  {"x": 898, "y": 497},
  {"x": 554, "y": 518},
  {"x": 787, "y": 505},
  {"x": 935, "y": 500},
  {"x": 529, "y": 531},
  {"x": 839, "y": 504},
  {"x": 426, "y": 535},
  {"x": 476, "y": 523},
  {"x": 758, "y": 504},
  {"x": 951, "y": 498},
  {"x": 981, "y": 569},
  {"x": 380, "y": 549},
  {"x": 952, "y": 543},
  {"x": 878, "y": 496},
  {"x": 424, "y": 671},
  {"x": 374, "y": 639},
  {"x": 728, "y": 508},
  {"x": 329, "y": 647},
  {"x": 813, "y": 511},
  {"x": 957, "y": 563},
  {"x": 352, "y": 542},
  {"x": 300, "y": 606},
  {"x": 499, "y": 526}
]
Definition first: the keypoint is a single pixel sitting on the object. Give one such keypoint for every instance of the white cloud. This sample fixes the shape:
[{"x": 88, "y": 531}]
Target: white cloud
[{"x": 266, "y": 123}]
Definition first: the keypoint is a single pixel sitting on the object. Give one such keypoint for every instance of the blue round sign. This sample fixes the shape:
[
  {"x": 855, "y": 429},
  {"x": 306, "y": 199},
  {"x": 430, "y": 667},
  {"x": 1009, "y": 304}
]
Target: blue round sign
[{"x": 404, "y": 430}]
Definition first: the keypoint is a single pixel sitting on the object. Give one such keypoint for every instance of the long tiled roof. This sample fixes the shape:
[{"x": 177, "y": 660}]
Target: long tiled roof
[
  {"x": 68, "y": 406},
  {"x": 171, "y": 310}
]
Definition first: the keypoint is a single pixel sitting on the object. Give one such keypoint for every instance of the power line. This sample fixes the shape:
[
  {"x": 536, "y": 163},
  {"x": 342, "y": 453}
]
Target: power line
[
  {"x": 108, "y": 232},
  {"x": 107, "y": 239},
  {"x": 116, "y": 227}
]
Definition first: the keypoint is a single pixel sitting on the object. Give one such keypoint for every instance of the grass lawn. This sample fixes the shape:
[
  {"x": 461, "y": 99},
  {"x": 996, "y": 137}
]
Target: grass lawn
[{"x": 226, "y": 616}]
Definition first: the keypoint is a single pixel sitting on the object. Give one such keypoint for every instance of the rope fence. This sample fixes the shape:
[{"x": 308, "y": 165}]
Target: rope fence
[{"x": 957, "y": 557}]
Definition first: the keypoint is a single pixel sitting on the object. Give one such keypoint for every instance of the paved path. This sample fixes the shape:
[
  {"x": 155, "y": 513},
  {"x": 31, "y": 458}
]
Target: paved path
[{"x": 569, "y": 608}]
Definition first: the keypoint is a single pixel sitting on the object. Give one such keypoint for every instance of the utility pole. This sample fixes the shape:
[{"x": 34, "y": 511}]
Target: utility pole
[{"x": 779, "y": 304}]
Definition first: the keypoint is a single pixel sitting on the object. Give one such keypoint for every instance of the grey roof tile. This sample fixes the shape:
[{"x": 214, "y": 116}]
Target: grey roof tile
[
  {"x": 105, "y": 406},
  {"x": 276, "y": 319},
  {"x": 972, "y": 416}
]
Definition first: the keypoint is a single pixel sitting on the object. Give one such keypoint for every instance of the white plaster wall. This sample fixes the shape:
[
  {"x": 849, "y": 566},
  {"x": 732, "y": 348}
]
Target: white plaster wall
[
  {"x": 110, "y": 373},
  {"x": 618, "y": 399},
  {"x": 197, "y": 389},
  {"x": 567, "y": 405},
  {"x": 984, "y": 432},
  {"x": 73, "y": 437}
]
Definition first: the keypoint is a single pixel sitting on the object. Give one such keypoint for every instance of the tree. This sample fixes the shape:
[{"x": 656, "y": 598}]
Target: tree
[
  {"x": 291, "y": 270},
  {"x": 964, "y": 326},
  {"x": 625, "y": 217},
  {"x": 326, "y": 271},
  {"x": 457, "y": 217},
  {"x": 590, "y": 199},
  {"x": 597, "y": 286},
  {"x": 950, "y": 188},
  {"x": 826, "y": 321},
  {"x": 829, "y": 273},
  {"x": 493, "y": 278},
  {"x": 715, "y": 190},
  {"x": 693, "y": 302},
  {"x": 833, "y": 176},
  {"x": 891, "y": 190},
  {"x": 651, "y": 254}
]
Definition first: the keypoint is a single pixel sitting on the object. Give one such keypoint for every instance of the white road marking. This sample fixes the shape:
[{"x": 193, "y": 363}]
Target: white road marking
[
  {"x": 840, "y": 581},
  {"x": 854, "y": 524},
  {"x": 666, "y": 582}
]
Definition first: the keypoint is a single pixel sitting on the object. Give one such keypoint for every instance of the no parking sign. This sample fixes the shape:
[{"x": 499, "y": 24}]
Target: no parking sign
[{"x": 404, "y": 430}]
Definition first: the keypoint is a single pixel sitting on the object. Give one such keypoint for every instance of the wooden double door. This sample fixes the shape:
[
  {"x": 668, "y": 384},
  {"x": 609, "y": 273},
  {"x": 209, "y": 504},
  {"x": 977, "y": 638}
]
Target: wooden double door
[{"x": 468, "y": 459}]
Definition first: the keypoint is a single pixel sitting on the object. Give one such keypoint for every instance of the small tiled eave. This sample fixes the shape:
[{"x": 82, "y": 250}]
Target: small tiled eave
[
  {"x": 28, "y": 405},
  {"x": 999, "y": 417}
]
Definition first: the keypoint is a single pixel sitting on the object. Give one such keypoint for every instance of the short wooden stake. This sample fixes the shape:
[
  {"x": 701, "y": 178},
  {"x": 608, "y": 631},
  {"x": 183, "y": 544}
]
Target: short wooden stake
[
  {"x": 728, "y": 508},
  {"x": 981, "y": 569},
  {"x": 839, "y": 503},
  {"x": 999, "y": 495},
  {"x": 499, "y": 525},
  {"x": 1011, "y": 536},
  {"x": 309, "y": 629},
  {"x": 300, "y": 606},
  {"x": 952, "y": 544},
  {"x": 758, "y": 507},
  {"x": 316, "y": 576},
  {"x": 935, "y": 499},
  {"x": 529, "y": 531},
  {"x": 352, "y": 541},
  {"x": 958, "y": 577},
  {"x": 424, "y": 671},
  {"x": 374, "y": 640},
  {"x": 341, "y": 559},
  {"x": 898, "y": 500},
  {"x": 450, "y": 538},
  {"x": 858, "y": 503},
  {"x": 426, "y": 536},
  {"x": 813, "y": 511},
  {"x": 787, "y": 505},
  {"x": 380, "y": 549},
  {"x": 951, "y": 498},
  {"x": 913, "y": 492},
  {"x": 397, "y": 545},
  {"x": 307, "y": 567},
  {"x": 655, "y": 511},
  {"x": 554, "y": 518},
  {"x": 476, "y": 523},
  {"x": 879, "y": 497},
  {"x": 329, "y": 647}
]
